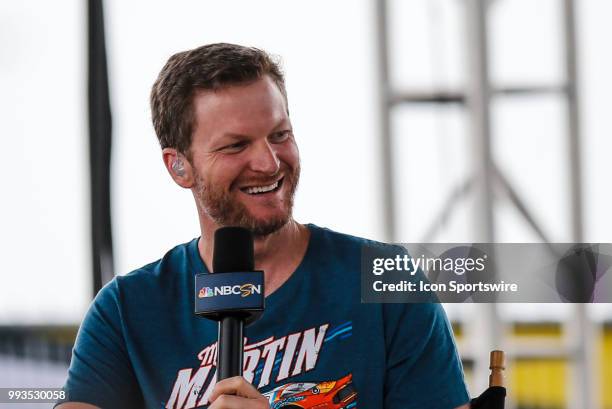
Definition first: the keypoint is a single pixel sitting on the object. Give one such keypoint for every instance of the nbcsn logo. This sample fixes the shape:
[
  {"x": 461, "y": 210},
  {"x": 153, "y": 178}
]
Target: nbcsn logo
[{"x": 243, "y": 290}]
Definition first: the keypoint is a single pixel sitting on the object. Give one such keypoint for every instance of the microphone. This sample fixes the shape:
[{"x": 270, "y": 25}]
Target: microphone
[{"x": 233, "y": 295}]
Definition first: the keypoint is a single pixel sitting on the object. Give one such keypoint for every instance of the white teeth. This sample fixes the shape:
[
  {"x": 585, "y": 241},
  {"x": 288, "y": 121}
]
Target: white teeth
[{"x": 261, "y": 189}]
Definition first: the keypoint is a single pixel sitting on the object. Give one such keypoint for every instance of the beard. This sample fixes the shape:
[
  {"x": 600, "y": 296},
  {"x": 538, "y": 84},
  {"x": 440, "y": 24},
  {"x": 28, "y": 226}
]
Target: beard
[{"x": 218, "y": 204}]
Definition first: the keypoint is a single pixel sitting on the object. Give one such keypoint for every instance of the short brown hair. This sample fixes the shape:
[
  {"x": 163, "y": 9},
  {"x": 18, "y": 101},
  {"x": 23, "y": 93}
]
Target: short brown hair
[{"x": 210, "y": 67}]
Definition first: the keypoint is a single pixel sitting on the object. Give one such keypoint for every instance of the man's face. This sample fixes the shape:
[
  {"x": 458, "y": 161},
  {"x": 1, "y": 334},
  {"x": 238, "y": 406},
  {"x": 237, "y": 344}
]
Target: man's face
[{"x": 244, "y": 156}]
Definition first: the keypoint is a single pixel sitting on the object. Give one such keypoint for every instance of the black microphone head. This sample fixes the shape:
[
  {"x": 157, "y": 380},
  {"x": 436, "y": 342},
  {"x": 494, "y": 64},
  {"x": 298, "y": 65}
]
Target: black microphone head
[{"x": 233, "y": 250}]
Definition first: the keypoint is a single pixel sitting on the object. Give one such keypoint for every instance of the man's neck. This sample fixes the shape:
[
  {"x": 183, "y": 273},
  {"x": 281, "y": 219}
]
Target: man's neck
[{"x": 277, "y": 254}]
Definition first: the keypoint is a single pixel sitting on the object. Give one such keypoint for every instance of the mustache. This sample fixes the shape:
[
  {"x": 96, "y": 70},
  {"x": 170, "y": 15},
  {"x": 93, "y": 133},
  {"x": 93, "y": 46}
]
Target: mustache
[
  {"x": 286, "y": 175},
  {"x": 262, "y": 181}
]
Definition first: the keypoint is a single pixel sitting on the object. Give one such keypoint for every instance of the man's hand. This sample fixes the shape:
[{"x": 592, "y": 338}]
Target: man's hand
[{"x": 237, "y": 393}]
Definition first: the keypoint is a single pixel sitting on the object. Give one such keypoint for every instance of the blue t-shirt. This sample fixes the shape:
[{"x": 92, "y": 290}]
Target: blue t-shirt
[{"x": 140, "y": 344}]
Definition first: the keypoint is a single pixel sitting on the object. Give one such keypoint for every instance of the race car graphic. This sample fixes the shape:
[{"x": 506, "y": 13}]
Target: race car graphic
[{"x": 338, "y": 394}]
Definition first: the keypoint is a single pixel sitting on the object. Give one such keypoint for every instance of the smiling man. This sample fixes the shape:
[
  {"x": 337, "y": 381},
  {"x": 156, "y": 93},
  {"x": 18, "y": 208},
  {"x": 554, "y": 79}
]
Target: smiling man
[{"x": 221, "y": 116}]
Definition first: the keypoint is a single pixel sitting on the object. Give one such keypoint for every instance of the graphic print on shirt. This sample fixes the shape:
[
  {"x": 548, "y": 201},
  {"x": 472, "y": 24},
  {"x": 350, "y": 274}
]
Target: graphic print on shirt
[
  {"x": 266, "y": 363},
  {"x": 340, "y": 394}
]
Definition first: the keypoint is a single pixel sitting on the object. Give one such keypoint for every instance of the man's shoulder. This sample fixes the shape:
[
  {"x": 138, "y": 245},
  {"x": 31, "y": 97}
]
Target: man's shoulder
[
  {"x": 176, "y": 263},
  {"x": 343, "y": 241},
  {"x": 327, "y": 234},
  {"x": 164, "y": 279}
]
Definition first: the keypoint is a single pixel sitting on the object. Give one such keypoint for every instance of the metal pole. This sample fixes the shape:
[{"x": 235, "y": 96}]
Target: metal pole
[
  {"x": 584, "y": 366},
  {"x": 100, "y": 139},
  {"x": 478, "y": 101},
  {"x": 386, "y": 149},
  {"x": 573, "y": 121},
  {"x": 478, "y": 104}
]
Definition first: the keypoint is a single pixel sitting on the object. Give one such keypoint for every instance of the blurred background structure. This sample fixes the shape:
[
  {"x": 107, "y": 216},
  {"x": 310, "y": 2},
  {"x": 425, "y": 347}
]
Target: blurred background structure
[{"x": 417, "y": 121}]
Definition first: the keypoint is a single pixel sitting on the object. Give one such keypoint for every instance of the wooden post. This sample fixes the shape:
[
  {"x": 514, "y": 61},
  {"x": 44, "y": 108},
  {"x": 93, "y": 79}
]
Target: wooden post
[{"x": 497, "y": 366}]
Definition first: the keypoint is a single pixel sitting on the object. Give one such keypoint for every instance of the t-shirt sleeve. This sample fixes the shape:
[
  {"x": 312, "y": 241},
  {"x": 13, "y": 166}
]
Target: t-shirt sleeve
[
  {"x": 100, "y": 372},
  {"x": 423, "y": 367}
]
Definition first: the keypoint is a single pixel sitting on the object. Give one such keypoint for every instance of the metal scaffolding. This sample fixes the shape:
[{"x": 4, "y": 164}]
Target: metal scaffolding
[{"x": 486, "y": 178}]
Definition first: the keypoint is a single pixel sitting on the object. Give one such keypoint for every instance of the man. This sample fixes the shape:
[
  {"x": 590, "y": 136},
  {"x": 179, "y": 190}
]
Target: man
[{"x": 221, "y": 115}]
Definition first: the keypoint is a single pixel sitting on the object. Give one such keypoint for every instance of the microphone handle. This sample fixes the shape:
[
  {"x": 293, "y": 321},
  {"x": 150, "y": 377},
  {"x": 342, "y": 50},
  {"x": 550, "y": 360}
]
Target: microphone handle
[{"x": 230, "y": 347}]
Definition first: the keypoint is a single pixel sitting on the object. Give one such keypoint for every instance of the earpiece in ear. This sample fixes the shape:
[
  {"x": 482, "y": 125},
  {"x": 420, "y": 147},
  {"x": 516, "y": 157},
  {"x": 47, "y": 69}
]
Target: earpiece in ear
[{"x": 178, "y": 167}]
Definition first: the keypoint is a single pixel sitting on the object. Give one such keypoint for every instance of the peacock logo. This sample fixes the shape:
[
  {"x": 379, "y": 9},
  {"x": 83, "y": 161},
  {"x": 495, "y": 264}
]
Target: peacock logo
[{"x": 206, "y": 292}]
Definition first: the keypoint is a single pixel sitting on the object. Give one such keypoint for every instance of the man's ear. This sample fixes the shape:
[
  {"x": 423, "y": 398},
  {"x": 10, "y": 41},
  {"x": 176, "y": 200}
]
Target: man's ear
[{"x": 178, "y": 167}]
